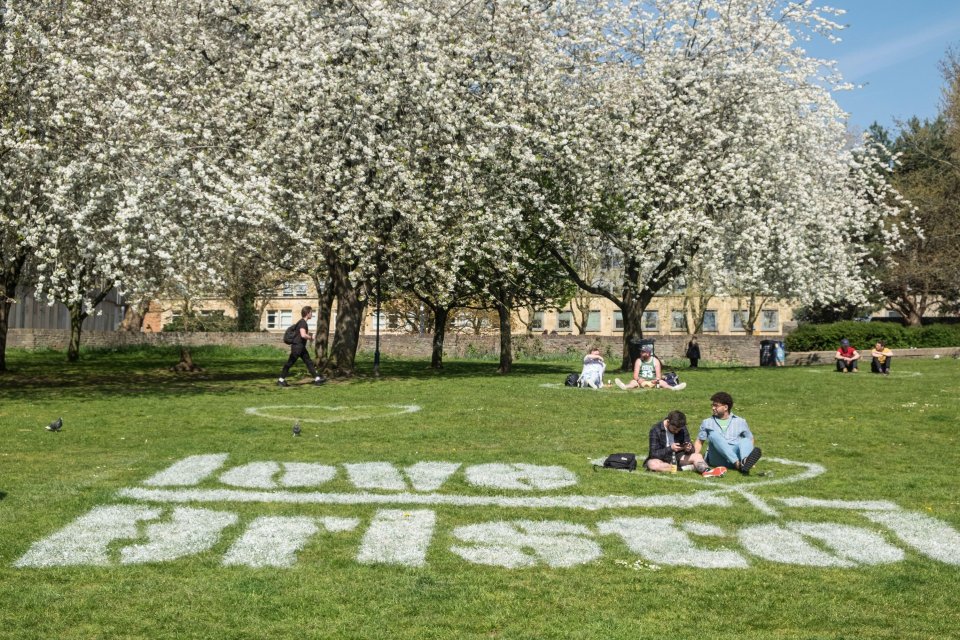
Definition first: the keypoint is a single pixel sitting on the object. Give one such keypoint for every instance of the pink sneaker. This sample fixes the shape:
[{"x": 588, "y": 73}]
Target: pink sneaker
[{"x": 716, "y": 472}]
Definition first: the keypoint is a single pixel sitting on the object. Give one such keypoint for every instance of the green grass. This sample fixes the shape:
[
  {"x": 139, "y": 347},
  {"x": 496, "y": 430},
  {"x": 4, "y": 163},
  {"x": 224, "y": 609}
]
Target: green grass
[{"x": 126, "y": 417}]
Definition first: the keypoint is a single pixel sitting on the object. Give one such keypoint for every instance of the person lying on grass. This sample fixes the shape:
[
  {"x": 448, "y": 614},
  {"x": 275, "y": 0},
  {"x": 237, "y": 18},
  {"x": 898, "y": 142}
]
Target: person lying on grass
[
  {"x": 731, "y": 441},
  {"x": 671, "y": 448}
]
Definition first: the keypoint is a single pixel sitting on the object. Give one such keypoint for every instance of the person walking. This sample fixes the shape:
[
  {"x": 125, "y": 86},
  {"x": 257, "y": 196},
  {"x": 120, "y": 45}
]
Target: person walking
[{"x": 298, "y": 350}]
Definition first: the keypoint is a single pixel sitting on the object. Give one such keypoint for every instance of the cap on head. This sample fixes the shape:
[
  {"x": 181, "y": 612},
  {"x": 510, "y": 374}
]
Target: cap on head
[
  {"x": 646, "y": 349},
  {"x": 844, "y": 343}
]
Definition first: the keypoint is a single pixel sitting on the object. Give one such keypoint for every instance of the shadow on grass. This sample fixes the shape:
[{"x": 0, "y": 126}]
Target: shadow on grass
[
  {"x": 140, "y": 371},
  {"x": 146, "y": 371}
]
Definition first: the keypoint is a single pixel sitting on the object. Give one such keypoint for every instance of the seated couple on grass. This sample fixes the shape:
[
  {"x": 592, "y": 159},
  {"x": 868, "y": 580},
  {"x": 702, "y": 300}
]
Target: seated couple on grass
[
  {"x": 648, "y": 374},
  {"x": 728, "y": 436}
]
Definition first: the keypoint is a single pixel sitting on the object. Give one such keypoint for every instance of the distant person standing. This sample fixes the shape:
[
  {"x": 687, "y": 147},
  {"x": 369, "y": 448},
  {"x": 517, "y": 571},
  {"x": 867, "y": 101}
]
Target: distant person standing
[
  {"x": 298, "y": 350},
  {"x": 693, "y": 352},
  {"x": 847, "y": 357},
  {"x": 780, "y": 353},
  {"x": 881, "y": 358}
]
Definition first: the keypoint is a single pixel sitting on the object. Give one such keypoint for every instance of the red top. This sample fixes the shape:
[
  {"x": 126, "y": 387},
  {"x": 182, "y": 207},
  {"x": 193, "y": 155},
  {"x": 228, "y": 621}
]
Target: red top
[{"x": 846, "y": 352}]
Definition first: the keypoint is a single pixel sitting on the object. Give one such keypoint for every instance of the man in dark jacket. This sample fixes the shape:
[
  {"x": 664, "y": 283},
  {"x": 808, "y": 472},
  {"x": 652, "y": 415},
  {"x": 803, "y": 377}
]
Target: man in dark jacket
[
  {"x": 671, "y": 448},
  {"x": 693, "y": 352},
  {"x": 298, "y": 350}
]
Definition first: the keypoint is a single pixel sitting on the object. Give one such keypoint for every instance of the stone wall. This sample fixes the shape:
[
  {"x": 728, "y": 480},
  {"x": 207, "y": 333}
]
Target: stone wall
[
  {"x": 731, "y": 349},
  {"x": 743, "y": 350}
]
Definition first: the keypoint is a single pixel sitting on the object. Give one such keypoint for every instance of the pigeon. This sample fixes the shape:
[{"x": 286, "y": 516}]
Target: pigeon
[
  {"x": 56, "y": 425},
  {"x": 296, "y": 428}
]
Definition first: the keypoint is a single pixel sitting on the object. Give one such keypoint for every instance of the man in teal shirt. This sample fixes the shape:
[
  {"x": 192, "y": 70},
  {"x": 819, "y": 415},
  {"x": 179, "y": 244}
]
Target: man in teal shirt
[{"x": 731, "y": 441}]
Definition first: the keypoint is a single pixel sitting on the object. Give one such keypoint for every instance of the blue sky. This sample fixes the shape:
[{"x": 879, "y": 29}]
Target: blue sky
[{"x": 893, "y": 48}]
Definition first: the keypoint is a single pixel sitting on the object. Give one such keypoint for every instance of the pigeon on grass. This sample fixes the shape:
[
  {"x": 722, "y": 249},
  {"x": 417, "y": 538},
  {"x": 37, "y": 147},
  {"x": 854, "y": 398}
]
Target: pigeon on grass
[
  {"x": 56, "y": 425},
  {"x": 296, "y": 428}
]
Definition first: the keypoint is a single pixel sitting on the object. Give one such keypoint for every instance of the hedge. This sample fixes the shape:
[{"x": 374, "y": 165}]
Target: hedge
[{"x": 827, "y": 337}]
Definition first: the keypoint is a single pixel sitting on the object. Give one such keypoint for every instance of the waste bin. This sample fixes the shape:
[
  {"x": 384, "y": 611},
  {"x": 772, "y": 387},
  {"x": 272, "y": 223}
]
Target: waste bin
[
  {"x": 768, "y": 353},
  {"x": 636, "y": 344}
]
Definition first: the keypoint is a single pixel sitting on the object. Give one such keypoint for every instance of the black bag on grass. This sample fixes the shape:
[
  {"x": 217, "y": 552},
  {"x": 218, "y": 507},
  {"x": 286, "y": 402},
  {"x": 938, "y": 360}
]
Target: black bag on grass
[
  {"x": 626, "y": 461},
  {"x": 572, "y": 380}
]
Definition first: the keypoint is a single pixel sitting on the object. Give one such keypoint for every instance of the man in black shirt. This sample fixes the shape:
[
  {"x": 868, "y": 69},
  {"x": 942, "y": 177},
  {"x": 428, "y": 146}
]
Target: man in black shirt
[{"x": 298, "y": 350}]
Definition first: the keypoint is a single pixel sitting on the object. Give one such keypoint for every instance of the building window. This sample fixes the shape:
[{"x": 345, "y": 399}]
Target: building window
[
  {"x": 618, "y": 320},
  {"x": 287, "y": 290},
  {"x": 710, "y": 321},
  {"x": 279, "y": 319},
  {"x": 380, "y": 320},
  {"x": 736, "y": 320},
  {"x": 565, "y": 321},
  {"x": 536, "y": 322},
  {"x": 300, "y": 289},
  {"x": 678, "y": 321},
  {"x": 770, "y": 320},
  {"x": 593, "y": 320},
  {"x": 651, "y": 319}
]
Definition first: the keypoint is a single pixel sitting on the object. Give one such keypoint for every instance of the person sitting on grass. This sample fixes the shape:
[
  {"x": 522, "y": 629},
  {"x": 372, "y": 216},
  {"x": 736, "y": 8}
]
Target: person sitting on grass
[
  {"x": 593, "y": 367},
  {"x": 647, "y": 374},
  {"x": 670, "y": 447},
  {"x": 881, "y": 358},
  {"x": 731, "y": 441},
  {"x": 847, "y": 357}
]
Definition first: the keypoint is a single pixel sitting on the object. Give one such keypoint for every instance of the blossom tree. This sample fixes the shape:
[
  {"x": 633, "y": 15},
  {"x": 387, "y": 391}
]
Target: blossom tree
[
  {"x": 25, "y": 156},
  {"x": 712, "y": 135}
]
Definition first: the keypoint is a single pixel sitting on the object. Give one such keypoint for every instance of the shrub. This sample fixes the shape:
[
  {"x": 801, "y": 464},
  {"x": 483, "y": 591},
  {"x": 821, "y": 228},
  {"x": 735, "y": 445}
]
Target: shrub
[
  {"x": 215, "y": 322},
  {"x": 862, "y": 335}
]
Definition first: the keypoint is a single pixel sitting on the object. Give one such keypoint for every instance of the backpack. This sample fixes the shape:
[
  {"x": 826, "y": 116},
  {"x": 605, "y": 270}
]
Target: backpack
[
  {"x": 626, "y": 461},
  {"x": 671, "y": 378},
  {"x": 290, "y": 335},
  {"x": 572, "y": 380}
]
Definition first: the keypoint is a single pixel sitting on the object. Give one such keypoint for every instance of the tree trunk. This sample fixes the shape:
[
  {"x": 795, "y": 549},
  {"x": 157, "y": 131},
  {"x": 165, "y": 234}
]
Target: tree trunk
[
  {"x": 133, "y": 317},
  {"x": 913, "y": 317},
  {"x": 440, "y": 316},
  {"x": 186, "y": 361},
  {"x": 246, "y": 304},
  {"x": 506, "y": 343},
  {"x": 632, "y": 310},
  {"x": 321, "y": 339},
  {"x": 77, "y": 316},
  {"x": 4, "y": 324},
  {"x": 350, "y": 308},
  {"x": 8, "y": 291}
]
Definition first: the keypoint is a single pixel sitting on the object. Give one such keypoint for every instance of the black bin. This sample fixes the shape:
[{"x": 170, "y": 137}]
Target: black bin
[
  {"x": 636, "y": 344},
  {"x": 768, "y": 353}
]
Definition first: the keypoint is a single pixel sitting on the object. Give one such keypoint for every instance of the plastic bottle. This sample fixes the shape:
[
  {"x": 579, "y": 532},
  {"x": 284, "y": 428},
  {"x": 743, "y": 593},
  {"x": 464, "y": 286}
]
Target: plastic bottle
[{"x": 673, "y": 462}]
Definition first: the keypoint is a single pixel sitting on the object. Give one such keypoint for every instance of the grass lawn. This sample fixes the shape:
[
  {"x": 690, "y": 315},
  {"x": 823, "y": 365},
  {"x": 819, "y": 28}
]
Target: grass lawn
[{"x": 181, "y": 505}]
